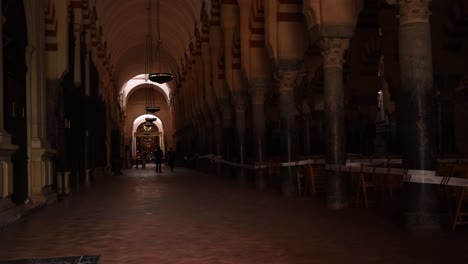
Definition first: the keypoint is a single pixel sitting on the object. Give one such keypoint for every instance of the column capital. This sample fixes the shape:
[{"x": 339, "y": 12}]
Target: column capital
[
  {"x": 240, "y": 102},
  {"x": 257, "y": 94},
  {"x": 412, "y": 11},
  {"x": 287, "y": 79},
  {"x": 333, "y": 51}
]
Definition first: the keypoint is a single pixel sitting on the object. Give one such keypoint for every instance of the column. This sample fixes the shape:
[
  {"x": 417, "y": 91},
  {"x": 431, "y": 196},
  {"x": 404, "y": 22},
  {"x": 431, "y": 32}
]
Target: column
[
  {"x": 77, "y": 57},
  {"x": 335, "y": 145},
  {"x": 228, "y": 129},
  {"x": 258, "y": 117},
  {"x": 240, "y": 107},
  {"x": 417, "y": 120},
  {"x": 288, "y": 113},
  {"x": 306, "y": 118},
  {"x": 6, "y": 149}
]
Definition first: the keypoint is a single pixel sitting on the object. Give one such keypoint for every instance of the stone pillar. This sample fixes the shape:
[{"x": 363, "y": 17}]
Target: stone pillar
[
  {"x": 87, "y": 69},
  {"x": 258, "y": 123},
  {"x": 3, "y": 135},
  {"x": 417, "y": 121},
  {"x": 6, "y": 149},
  {"x": 218, "y": 147},
  {"x": 306, "y": 118},
  {"x": 40, "y": 154},
  {"x": 77, "y": 66},
  {"x": 228, "y": 129},
  {"x": 289, "y": 144},
  {"x": 335, "y": 137},
  {"x": 240, "y": 107}
]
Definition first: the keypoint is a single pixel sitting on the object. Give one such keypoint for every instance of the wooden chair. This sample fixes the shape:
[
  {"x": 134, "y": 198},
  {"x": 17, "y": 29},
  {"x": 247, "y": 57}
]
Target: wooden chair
[
  {"x": 460, "y": 216},
  {"x": 317, "y": 176},
  {"x": 273, "y": 170},
  {"x": 368, "y": 181},
  {"x": 300, "y": 176},
  {"x": 392, "y": 181}
]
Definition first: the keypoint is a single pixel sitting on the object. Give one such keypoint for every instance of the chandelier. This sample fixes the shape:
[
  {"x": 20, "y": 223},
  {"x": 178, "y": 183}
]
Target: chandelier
[
  {"x": 159, "y": 77},
  {"x": 150, "y": 107}
]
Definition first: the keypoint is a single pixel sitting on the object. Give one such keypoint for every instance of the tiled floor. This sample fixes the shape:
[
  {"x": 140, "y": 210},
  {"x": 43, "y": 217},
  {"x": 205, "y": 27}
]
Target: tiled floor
[{"x": 188, "y": 217}]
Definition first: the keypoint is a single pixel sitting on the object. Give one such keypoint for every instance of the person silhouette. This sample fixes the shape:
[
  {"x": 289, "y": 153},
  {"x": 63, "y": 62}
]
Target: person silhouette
[{"x": 158, "y": 156}]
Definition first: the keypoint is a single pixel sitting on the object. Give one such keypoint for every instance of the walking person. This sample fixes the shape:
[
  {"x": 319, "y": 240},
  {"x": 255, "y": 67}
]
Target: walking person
[
  {"x": 158, "y": 157},
  {"x": 170, "y": 157}
]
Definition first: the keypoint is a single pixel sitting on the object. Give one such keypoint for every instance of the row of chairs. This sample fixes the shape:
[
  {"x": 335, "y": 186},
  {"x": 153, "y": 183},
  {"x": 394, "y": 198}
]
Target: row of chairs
[
  {"x": 312, "y": 179},
  {"x": 455, "y": 196}
]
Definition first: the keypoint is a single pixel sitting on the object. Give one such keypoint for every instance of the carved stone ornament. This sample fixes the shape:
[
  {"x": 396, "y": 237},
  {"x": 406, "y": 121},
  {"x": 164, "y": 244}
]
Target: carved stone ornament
[
  {"x": 414, "y": 11},
  {"x": 287, "y": 79},
  {"x": 333, "y": 51},
  {"x": 257, "y": 94},
  {"x": 240, "y": 103}
]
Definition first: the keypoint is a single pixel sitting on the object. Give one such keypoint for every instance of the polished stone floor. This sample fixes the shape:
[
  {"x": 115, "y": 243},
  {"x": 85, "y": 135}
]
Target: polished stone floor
[{"x": 189, "y": 217}]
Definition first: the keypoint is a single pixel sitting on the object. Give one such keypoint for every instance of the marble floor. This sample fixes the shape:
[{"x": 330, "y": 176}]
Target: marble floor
[{"x": 189, "y": 217}]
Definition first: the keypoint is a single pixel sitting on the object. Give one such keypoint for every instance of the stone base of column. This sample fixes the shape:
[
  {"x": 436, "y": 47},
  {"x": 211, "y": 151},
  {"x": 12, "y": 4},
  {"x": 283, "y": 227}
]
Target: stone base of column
[
  {"x": 337, "y": 191},
  {"x": 261, "y": 182},
  {"x": 241, "y": 176},
  {"x": 46, "y": 196},
  {"x": 88, "y": 175},
  {"x": 66, "y": 183},
  {"x": 422, "y": 212},
  {"x": 101, "y": 172},
  {"x": 289, "y": 181},
  {"x": 9, "y": 212}
]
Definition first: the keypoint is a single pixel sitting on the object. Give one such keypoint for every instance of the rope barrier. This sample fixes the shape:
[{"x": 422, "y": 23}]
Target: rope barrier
[{"x": 356, "y": 165}]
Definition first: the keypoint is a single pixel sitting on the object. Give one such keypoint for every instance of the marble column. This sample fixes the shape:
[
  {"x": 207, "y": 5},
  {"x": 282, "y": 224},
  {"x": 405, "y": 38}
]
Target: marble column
[
  {"x": 218, "y": 147},
  {"x": 240, "y": 107},
  {"x": 6, "y": 151},
  {"x": 335, "y": 137},
  {"x": 258, "y": 123},
  {"x": 417, "y": 119},
  {"x": 306, "y": 119},
  {"x": 228, "y": 130},
  {"x": 289, "y": 139},
  {"x": 77, "y": 57}
]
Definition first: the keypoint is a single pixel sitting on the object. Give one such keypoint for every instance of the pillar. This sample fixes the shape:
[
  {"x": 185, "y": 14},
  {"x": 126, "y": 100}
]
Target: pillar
[
  {"x": 228, "y": 130},
  {"x": 335, "y": 145},
  {"x": 258, "y": 91},
  {"x": 306, "y": 119},
  {"x": 417, "y": 120},
  {"x": 77, "y": 57},
  {"x": 240, "y": 107},
  {"x": 288, "y": 113}
]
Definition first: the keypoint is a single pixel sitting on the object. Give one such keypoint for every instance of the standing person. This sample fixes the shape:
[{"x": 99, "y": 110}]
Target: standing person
[
  {"x": 170, "y": 157},
  {"x": 144, "y": 159},
  {"x": 158, "y": 156}
]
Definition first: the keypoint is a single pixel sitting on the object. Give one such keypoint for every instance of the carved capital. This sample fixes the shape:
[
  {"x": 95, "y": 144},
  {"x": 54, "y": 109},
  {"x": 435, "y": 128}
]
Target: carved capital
[
  {"x": 414, "y": 11},
  {"x": 333, "y": 51},
  {"x": 257, "y": 94},
  {"x": 240, "y": 102},
  {"x": 287, "y": 79}
]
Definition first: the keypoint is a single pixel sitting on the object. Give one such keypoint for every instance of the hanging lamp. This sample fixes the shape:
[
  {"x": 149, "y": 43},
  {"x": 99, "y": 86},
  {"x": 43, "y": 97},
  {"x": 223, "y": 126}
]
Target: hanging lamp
[
  {"x": 160, "y": 77},
  {"x": 150, "y": 105}
]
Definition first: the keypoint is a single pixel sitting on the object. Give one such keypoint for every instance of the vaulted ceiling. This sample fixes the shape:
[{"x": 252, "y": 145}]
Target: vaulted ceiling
[{"x": 125, "y": 27}]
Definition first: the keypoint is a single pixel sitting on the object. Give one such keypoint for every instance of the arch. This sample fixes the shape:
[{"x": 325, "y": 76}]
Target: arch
[
  {"x": 138, "y": 82},
  {"x": 137, "y": 122}
]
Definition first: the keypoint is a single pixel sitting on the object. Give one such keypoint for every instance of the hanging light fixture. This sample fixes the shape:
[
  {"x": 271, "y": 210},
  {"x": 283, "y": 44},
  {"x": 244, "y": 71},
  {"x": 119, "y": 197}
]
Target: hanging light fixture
[
  {"x": 160, "y": 77},
  {"x": 150, "y": 105}
]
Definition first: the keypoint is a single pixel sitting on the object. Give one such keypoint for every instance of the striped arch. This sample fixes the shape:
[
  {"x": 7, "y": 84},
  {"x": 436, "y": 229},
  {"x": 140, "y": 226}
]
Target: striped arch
[{"x": 50, "y": 18}]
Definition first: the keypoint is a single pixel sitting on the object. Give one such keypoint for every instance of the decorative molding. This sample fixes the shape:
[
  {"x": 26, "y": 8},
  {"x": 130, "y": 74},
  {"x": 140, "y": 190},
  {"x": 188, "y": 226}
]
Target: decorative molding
[
  {"x": 333, "y": 51},
  {"x": 257, "y": 94},
  {"x": 414, "y": 11},
  {"x": 287, "y": 79}
]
